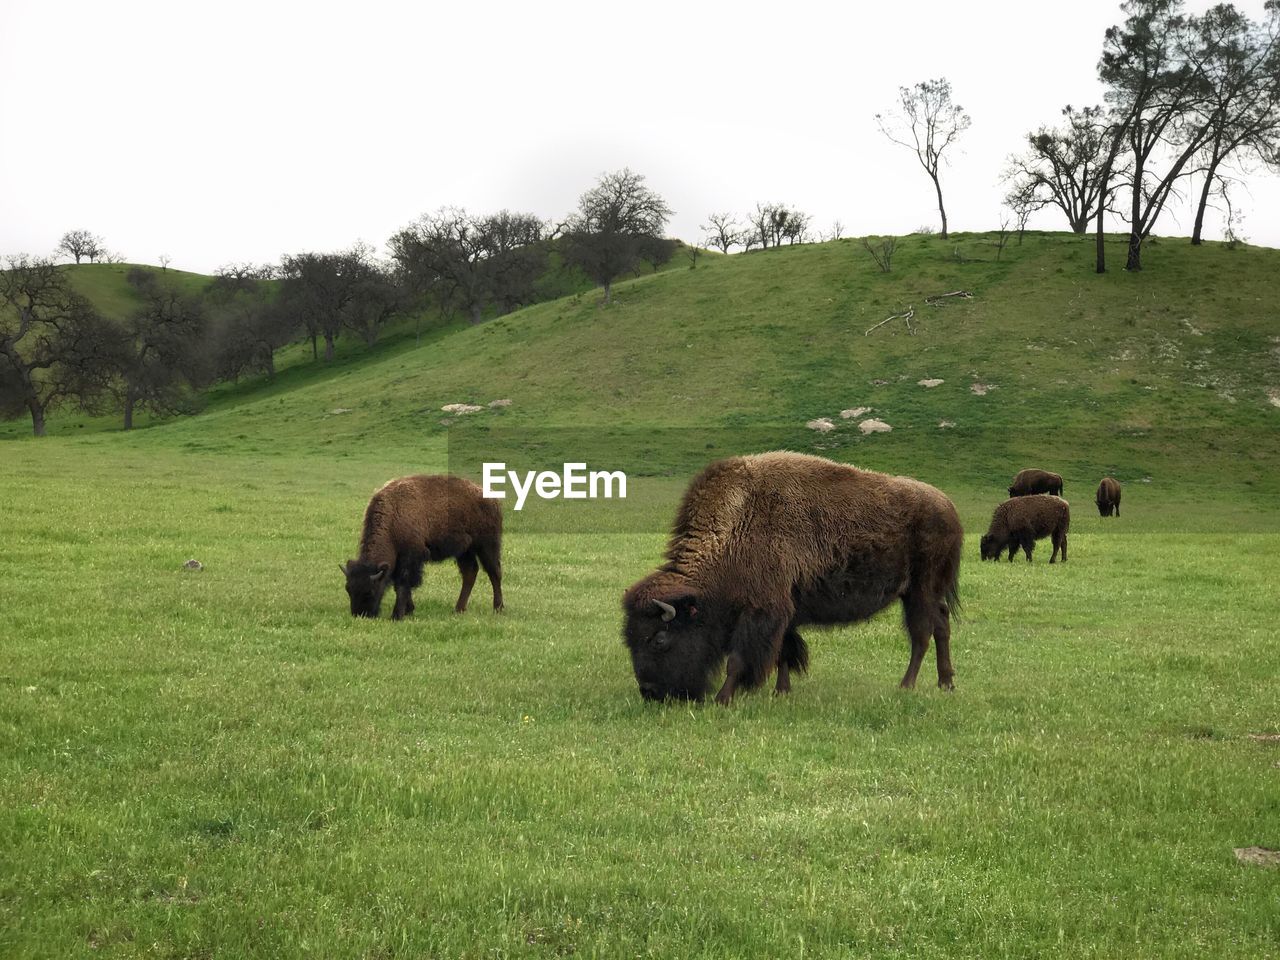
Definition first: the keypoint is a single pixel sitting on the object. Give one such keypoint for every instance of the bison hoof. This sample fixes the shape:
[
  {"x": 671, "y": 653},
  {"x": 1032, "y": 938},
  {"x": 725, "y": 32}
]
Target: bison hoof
[{"x": 947, "y": 685}]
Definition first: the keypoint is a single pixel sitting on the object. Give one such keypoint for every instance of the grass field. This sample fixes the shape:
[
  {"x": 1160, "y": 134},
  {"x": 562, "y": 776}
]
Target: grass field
[{"x": 225, "y": 764}]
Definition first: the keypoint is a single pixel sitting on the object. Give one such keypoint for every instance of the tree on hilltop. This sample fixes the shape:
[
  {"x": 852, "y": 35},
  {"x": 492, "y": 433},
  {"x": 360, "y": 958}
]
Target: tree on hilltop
[{"x": 619, "y": 222}]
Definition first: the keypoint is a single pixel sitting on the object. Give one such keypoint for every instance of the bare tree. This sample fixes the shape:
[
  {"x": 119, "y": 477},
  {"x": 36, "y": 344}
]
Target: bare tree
[
  {"x": 771, "y": 223},
  {"x": 881, "y": 251},
  {"x": 1241, "y": 113},
  {"x": 1062, "y": 167},
  {"x": 837, "y": 230},
  {"x": 1002, "y": 237},
  {"x": 316, "y": 290},
  {"x": 927, "y": 122},
  {"x": 619, "y": 222},
  {"x": 160, "y": 351},
  {"x": 54, "y": 347},
  {"x": 81, "y": 244},
  {"x": 165, "y": 260},
  {"x": 722, "y": 231},
  {"x": 247, "y": 322},
  {"x": 693, "y": 252}
]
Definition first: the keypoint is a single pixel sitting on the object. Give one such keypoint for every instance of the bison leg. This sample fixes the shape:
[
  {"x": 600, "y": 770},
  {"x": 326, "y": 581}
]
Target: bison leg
[
  {"x": 794, "y": 655},
  {"x": 1028, "y": 545},
  {"x": 919, "y": 619},
  {"x": 491, "y": 560},
  {"x": 468, "y": 567},
  {"x": 404, "y": 602},
  {"x": 942, "y": 648},
  {"x": 754, "y": 648}
]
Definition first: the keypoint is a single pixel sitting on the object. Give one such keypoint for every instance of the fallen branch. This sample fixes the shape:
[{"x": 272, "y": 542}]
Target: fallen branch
[
  {"x": 906, "y": 317},
  {"x": 937, "y": 298}
]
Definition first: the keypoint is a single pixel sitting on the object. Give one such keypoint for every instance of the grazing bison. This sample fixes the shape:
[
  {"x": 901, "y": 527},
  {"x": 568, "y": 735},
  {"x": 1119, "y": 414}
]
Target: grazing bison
[
  {"x": 766, "y": 543},
  {"x": 1109, "y": 497},
  {"x": 1031, "y": 481},
  {"x": 1021, "y": 521},
  {"x": 415, "y": 519}
]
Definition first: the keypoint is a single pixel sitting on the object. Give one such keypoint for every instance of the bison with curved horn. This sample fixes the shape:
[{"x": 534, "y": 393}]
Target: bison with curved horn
[
  {"x": 424, "y": 518},
  {"x": 765, "y": 544}
]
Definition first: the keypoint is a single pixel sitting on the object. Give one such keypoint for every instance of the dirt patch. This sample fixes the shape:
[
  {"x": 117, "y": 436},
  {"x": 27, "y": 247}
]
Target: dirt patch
[
  {"x": 1273, "y": 396},
  {"x": 982, "y": 389},
  {"x": 822, "y": 425},
  {"x": 1265, "y": 737},
  {"x": 339, "y": 411},
  {"x": 854, "y": 412},
  {"x": 499, "y": 403},
  {"x": 946, "y": 424},
  {"x": 930, "y": 382},
  {"x": 874, "y": 426},
  {"x": 461, "y": 408},
  {"x": 880, "y": 383},
  {"x": 1192, "y": 328},
  {"x": 1258, "y": 856}
]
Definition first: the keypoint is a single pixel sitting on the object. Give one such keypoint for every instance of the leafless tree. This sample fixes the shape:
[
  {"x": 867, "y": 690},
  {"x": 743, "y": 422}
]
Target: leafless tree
[
  {"x": 837, "y": 230},
  {"x": 771, "y": 223},
  {"x": 722, "y": 231},
  {"x": 317, "y": 289},
  {"x": 80, "y": 245},
  {"x": 1002, "y": 237},
  {"x": 54, "y": 347},
  {"x": 693, "y": 252},
  {"x": 165, "y": 260},
  {"x": 248, "y": 323},
  {"x": 160, "y": 352},
  {"x": 619, "y": 222},
  {"x": 881, "y": 251},
  {"x": 927, "y": 122}
]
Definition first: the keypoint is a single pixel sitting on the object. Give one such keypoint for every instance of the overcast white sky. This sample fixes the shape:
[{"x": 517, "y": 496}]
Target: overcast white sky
[{"x": 241, "y": 131}]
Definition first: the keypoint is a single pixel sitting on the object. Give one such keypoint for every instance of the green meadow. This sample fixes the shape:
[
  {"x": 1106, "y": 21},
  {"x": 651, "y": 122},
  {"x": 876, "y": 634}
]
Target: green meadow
[{"x": 225, "y": 764}]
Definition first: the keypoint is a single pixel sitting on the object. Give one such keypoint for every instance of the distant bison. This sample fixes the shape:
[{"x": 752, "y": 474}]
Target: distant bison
[
  {"x": 423, "y": 518},
  {"x": 1032, "y": 481},
  {"x": 763, "y": 544},
  {"x": 1109, "y": 497},
  {"x": 1021, "y": 521}
]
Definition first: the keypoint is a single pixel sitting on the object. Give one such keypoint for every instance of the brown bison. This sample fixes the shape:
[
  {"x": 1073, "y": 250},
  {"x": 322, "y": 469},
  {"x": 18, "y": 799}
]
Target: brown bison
[
  {"x": 1108, "y": 497},
  {"x": 1031, "y": 481},
  {"x": 423, "y": 518},
  {"x": 764, "y": 544},
  {"x": 1021, "y": 521}
]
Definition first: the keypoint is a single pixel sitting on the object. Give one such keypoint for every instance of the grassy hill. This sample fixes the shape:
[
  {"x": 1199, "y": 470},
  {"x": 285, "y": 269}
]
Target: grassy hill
[{"x": 225, "y": 763}]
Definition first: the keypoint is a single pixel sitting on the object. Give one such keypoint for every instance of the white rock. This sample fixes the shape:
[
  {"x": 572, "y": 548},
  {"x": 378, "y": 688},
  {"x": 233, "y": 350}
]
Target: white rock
[
  {"x": 822, "y": 425},
  {"x": 930, "y": 382},
  {"x": 461, "y": 408},
  {"x": 874, "y": 426},
  {"x": 499, "y": 403},
  {"x": 854, "y": 412}
]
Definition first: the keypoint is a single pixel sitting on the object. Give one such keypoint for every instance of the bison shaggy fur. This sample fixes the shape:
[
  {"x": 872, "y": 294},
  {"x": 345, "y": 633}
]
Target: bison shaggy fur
[
  {"x": 413, "y": 520},
  {"x": 1032, "y": 481},
  {"x": 765, "y": 544},
  {"x": 1108, "y": 497},
  {"x": 1021, "y": 521}
]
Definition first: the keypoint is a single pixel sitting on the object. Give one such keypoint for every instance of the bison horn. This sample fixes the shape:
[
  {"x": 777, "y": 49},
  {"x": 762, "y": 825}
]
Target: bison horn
[{"x": 668, "y": 611}]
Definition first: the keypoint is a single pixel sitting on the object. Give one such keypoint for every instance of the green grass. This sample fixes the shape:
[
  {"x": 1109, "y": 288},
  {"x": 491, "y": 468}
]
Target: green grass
[{"x": 225, "y": 764}]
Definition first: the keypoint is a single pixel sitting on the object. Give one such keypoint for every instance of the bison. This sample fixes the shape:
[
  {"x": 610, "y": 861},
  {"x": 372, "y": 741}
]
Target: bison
[
  {"x": 1021, "y": 521},
  {"x": 1032, "y": 481},
  {"x": 767, "y": 543},
  {"x": 423, "y": 518},
  {"x": 1108, "y": 497}
]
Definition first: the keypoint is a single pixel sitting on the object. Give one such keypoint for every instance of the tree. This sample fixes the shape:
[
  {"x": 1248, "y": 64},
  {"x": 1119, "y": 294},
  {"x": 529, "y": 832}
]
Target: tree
[
  {"x": 247, "y": 320},
  {"x": 376, "y": 299},
  {"x": 54, "y": 347},
  {"x": 1062, "y": 167},
  {"x": 516, "y": 257},
  {"x": 1241, "y": 112},
  {"x": 722, "y": 231},
  {"x": 1155, "y": 71},
  {"x": 618, "y": 223},
  {"x": 927, "y": 123},
  {"x": 80, "y": 244},
  {"x": 160, "y": 352},
  {"x": 771, "y": 223},
  {"x": 316, "y": 290}
]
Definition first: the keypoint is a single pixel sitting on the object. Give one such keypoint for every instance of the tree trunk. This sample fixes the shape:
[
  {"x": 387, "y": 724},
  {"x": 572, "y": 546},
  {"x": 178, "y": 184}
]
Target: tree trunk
[
  {"x": 1100, "y": 265},
  {"x": 1196, "y": 234},
  {"x": 608, "y": 288},
  {"x": 271, "y": 364},
  {"x": 328, "y": 347},
  {"x": 1134, "y": 259},
  {"x": 315, "y": 353},
  {"x": 129, "y": 402},
  {"x": 37, "y": 416},
  {"x": 475, "y": 311},
  {"x": 937, "y": 185}
]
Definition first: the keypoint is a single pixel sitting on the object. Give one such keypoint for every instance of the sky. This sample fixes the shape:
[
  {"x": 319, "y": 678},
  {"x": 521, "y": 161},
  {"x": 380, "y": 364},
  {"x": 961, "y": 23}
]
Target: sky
[{"x": 232, "y": 131}]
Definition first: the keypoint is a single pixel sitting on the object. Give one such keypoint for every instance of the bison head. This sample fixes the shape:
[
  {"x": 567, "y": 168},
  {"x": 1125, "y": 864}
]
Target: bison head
[
  {"x": 990, "y": 547},
  {"x": 673, "y": 649},
  {"x": 366, "y": 583}
]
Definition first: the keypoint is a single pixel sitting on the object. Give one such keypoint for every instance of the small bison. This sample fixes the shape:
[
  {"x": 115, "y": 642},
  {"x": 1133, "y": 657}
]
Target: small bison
[
  {"x": 764, "y": 544},
  {"x": 1108, "y": 497},
  {"x": 423, "y": 518},
  {"x": 1033, "y": 481},
  {"x": 1021, "y": 521}
]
